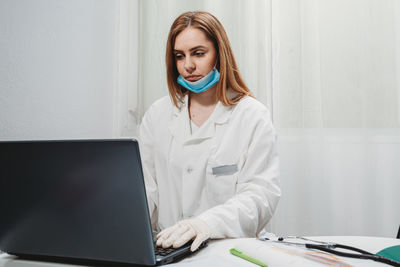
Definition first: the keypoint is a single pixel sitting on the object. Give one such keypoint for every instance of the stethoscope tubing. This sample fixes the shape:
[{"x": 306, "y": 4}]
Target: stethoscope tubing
[
  {"x": 365, "y": 255},
  {"x": 330, "y": 248}
]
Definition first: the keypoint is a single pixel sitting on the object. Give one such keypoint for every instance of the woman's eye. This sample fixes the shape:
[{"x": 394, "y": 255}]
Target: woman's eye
[
  {"x": 199, "y": 54},
  {"x": 178, "y": 56}
]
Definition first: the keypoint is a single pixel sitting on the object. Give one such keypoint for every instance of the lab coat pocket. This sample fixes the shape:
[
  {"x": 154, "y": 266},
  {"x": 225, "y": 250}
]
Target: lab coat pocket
[{"x": 221, "y": 182}]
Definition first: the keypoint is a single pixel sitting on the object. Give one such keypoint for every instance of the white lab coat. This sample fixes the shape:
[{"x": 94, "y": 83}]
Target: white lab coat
[{"x": 181, "y": 169}]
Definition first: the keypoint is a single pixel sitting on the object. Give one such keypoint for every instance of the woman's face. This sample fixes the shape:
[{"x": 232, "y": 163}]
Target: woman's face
[{"x": 195, "y": 54}]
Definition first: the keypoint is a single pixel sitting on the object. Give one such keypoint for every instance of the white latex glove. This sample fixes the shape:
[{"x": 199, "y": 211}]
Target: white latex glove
[{"x": 182, "y": 232}]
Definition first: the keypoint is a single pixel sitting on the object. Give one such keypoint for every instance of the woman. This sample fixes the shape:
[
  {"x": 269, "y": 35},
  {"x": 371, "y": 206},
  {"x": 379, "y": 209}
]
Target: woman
[{"x": 209, "y": 148}]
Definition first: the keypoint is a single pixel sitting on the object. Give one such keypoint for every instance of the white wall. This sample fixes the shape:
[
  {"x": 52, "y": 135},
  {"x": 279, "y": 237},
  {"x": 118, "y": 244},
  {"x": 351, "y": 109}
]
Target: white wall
[{"x": 56, "y": 69}]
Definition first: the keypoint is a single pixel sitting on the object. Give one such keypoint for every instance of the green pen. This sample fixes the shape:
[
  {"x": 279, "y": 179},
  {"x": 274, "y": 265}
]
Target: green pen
[{"x": 238, "y": 253}]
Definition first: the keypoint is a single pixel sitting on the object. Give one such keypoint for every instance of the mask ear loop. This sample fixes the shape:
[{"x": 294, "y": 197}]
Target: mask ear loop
[
  {"x": 215, "y": 65},
  {"x": 217, "y": 62}
]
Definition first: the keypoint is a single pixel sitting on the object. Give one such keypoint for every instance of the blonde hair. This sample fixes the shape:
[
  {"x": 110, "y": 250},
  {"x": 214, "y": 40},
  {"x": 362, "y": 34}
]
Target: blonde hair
[{"x": 229, "y": 73}]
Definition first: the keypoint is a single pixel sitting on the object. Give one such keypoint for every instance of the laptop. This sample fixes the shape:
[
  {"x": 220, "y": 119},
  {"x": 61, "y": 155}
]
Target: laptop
[{"x": 77, "y": 200}]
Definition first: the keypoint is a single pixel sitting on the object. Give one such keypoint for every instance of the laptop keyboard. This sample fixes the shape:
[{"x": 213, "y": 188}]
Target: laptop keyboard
[{"x": 160, "y": 251}]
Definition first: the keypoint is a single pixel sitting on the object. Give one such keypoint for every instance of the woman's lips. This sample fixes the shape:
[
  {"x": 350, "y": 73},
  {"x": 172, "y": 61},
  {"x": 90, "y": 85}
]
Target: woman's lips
[{"x": 193, "y": 78}]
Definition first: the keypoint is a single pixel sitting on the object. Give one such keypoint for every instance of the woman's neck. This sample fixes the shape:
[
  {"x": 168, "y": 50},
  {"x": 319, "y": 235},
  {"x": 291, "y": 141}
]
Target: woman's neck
[
  {"x": 201, "y": 105},
  {"x": 207, "y": 98}
]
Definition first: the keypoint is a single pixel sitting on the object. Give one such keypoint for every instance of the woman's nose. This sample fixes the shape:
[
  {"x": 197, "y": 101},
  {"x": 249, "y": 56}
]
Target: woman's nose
[{"x": 189, "y": 65}]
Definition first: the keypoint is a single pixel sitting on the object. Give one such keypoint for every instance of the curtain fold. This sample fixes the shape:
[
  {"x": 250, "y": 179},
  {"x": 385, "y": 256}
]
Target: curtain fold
[{"x": 126, "y": 69}]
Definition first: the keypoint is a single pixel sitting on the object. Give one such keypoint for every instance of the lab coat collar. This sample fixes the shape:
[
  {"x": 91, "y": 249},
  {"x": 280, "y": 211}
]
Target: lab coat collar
[
  {"x": 221, "y": 113},
  {"x": 180, "y": 122}
]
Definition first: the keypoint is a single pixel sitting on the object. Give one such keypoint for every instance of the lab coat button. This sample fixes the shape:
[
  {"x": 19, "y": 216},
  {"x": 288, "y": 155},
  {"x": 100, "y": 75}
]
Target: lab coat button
[{"x": 189, "y": 169}]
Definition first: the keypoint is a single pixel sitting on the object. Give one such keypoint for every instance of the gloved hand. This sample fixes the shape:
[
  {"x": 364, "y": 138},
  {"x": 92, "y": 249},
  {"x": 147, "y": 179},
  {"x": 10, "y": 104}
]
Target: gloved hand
[{"x": 182, "y": 232}]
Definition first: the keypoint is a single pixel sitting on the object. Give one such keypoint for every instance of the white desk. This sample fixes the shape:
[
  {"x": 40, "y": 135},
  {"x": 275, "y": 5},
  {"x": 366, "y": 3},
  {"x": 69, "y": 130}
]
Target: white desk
[{"x": 217, "y": 253}]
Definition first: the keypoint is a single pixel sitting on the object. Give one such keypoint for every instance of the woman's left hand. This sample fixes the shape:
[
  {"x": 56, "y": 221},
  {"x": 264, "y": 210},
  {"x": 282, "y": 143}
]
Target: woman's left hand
[{"x": 182, "y": 232}]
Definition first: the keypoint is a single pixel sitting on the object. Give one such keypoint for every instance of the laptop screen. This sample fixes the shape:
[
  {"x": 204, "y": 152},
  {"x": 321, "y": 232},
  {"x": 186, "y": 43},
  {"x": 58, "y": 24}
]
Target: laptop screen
[{"x": 77, "y": 199}]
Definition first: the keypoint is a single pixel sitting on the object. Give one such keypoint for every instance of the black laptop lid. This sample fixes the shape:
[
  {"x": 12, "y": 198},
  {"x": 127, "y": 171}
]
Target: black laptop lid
[{"x": 74, "y": 199}]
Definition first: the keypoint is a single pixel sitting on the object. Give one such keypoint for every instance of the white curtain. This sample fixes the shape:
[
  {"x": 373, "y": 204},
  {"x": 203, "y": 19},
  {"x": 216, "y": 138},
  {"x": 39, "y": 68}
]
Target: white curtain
[
  {"x": 126, "y": 69},
  {"x": 330, "y": 72},
  {"x": 337, "y": 102}
]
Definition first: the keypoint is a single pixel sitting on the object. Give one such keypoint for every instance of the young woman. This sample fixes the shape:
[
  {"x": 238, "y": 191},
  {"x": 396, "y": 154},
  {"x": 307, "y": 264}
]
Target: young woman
[{"x": 209, "y": 148}]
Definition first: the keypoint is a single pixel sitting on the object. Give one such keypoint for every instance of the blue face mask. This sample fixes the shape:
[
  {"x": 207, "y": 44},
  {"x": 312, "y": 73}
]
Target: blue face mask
[{"x": 201, "y": 85}]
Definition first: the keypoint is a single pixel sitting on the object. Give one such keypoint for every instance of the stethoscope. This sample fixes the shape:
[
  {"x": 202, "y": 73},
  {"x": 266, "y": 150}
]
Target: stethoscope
[{"x": 331, "y": 248}]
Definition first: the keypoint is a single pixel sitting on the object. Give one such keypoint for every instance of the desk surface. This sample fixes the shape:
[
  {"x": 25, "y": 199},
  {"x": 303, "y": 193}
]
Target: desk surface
[{"x": 217, "y": 253}]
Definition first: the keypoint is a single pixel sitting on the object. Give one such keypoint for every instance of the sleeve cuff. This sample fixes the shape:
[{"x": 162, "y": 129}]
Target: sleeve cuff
[{"x": 212, "y": 222}]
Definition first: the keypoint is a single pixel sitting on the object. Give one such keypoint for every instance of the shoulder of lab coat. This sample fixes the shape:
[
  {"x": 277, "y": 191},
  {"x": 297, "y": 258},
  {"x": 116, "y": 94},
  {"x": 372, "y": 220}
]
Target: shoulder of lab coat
[
  {"x": 257, "y": 190},
  {"x": 163, "y": 104},
  {"x": 254, "y": 109}
]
